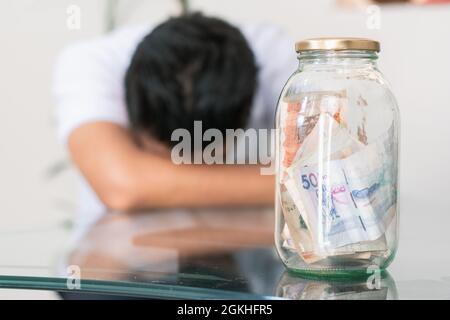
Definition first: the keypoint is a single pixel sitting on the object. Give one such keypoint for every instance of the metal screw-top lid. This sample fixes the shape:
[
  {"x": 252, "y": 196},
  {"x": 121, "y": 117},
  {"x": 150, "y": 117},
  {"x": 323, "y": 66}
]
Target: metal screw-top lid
[{"x": 337, "y": 44}]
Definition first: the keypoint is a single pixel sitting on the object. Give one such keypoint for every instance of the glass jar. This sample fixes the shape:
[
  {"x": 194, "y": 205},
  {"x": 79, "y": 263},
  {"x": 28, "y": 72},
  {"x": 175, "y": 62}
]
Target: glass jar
[{"x": 336, "y": 161}]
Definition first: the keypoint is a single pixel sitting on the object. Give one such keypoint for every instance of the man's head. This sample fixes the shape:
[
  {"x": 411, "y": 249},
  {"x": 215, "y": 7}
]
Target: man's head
[{"x": 190, "y": 68}]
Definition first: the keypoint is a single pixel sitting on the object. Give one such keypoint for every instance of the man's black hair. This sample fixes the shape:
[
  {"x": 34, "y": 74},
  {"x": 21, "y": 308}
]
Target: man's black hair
[{"x": 190, "y": 68}]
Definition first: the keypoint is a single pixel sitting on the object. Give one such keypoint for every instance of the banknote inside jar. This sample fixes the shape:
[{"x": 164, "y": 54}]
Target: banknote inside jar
[{"x": 337, "y": 189}]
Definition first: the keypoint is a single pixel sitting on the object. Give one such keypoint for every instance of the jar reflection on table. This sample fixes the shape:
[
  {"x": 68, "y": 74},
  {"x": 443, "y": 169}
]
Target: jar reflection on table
[{"x": 294, "y": 287}]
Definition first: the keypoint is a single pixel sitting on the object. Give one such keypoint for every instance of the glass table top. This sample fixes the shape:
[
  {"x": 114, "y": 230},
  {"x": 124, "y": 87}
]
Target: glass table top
[{"x": 203, "y": 254}]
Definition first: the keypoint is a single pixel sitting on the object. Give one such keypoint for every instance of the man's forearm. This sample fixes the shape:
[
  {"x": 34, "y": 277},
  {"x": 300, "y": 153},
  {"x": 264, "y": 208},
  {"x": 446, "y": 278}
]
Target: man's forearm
[
  {"x": 125, "y": 177},
  {"x": 201, "y": 185}
]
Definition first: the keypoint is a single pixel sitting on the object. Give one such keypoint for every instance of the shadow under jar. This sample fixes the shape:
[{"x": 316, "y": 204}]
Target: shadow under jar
[{"x": 337, "y": 161}]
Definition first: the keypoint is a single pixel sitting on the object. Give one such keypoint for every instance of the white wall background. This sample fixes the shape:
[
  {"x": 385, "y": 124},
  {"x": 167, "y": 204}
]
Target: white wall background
[{"x": 415, "y": 58}]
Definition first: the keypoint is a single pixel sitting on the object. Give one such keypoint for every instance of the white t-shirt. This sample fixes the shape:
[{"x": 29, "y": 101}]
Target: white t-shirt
[{"x": 89, "y": 86}]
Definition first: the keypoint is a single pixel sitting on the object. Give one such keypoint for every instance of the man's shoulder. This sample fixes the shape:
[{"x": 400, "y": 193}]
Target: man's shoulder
[
  {"x": 262, "y": 32},
  {"x": 268, "y": 41}
]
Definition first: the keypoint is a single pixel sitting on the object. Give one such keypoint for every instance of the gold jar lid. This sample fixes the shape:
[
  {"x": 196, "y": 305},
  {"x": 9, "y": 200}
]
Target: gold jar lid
[{"x": 337, "y": 44}]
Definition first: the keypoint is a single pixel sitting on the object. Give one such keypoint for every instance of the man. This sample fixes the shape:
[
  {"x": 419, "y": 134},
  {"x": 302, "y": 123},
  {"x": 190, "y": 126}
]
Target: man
[{"x": 119, "y": 98}]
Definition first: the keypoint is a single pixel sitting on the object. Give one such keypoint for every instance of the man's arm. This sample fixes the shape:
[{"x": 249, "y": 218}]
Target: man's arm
[{"x": 125, "y": 177}]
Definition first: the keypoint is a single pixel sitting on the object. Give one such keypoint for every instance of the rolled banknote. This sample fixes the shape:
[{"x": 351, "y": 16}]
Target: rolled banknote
[
  {"x": 310, "y": 106},
  {"x": 296, "y": 233},
  {"x": 348, "y": 199},
  {"x": 325, "y": 130},
  {"x": 299, "y": 237},
  {"x": 329, "y": 140},
  {"x": 301, "y": 222},
  {"x": 302, "y": 113},
  {"x": 291, "y": 139}
]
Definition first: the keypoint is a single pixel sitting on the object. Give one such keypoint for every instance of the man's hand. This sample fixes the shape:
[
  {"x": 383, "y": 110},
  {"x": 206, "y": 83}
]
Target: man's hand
[{"x": 126, "y": 177}]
